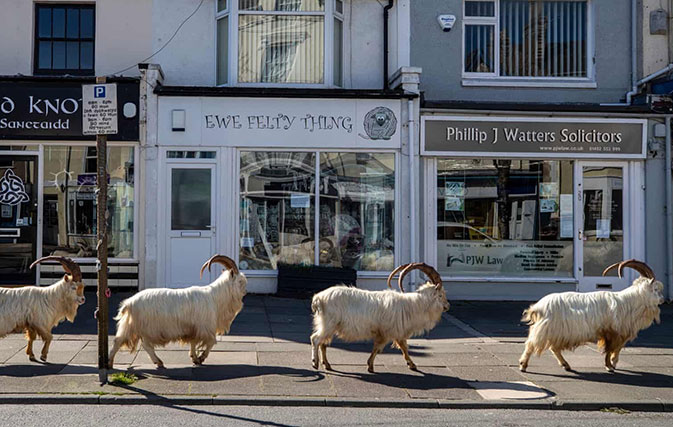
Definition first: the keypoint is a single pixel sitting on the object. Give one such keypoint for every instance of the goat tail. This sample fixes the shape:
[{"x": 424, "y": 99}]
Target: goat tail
[
  {"x": 316, "y": 305},
  {"x": 530, "y": 316},
  {"x": 125, "y": 332}
]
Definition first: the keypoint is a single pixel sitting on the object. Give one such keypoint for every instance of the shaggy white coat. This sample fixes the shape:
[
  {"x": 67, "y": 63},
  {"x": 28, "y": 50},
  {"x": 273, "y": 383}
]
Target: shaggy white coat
[
  {"x": 383, "y": 316},
  {"x": 36, "y": 310},
  {"x": 565, "y": 321},
  {"x": 193, "y": 315}
]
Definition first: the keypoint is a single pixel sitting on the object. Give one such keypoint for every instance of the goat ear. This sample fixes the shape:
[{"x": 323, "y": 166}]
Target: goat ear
[{"x": 438, "y": 287}]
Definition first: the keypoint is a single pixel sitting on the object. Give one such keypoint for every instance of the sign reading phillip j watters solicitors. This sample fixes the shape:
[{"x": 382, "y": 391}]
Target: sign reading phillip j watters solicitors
[{"x": 539, "y": 137}]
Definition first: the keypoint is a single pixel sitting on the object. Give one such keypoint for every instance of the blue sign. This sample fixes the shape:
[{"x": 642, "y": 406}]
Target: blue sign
[{"x": 99, "y": 91}]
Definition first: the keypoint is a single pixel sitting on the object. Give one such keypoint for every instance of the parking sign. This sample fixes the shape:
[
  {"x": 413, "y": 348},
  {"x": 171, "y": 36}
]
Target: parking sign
[{"x": 99, "y": 109}]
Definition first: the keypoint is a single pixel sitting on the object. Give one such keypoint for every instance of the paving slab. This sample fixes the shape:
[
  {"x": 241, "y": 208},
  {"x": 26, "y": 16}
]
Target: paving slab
[{"x": 510, "y": 390}]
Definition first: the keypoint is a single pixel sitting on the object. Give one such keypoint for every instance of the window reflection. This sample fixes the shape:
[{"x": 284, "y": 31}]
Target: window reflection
[
  {"x": 356, "y": 222},
  {"x": 70, "y": 203},
  {"x": 357, "y": 196},
  {"x": 505, "y": 217},
  {"x": 277, "y": 209}
]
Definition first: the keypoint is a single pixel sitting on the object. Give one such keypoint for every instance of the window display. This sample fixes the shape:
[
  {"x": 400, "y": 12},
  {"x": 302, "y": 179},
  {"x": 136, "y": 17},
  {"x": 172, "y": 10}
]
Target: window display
[
  {"x": 70, "y": 201},
  {"x": 356, "y": 211},
  {"x": 505, "y": 217}
]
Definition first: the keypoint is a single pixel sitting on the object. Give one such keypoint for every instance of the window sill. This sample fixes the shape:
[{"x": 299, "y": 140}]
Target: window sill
[
  {"x": 532, "y": 279},
  {"x": 541, "y": 83}
]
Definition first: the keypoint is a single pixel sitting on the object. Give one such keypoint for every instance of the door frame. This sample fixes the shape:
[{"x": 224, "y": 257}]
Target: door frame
[
  {"x": 37, "y": 154},
  {"x": 164, "y": 203},
  {"x": 632, "y": 222}
]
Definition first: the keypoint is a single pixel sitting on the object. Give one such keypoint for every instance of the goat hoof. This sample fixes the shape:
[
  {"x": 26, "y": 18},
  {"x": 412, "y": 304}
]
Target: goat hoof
[
  {"x": 370, "y": 369},
  {"x": 43, "y": 358},
  {"x": 314, "y": 364},
  {"x": 328, "y": 367},
  {"x": 609, "y": 369},
  {"x": 567, "y": 368},
  {"x": 160, "y": 365},
  {"x": 32, "y": 358},
  {"x": 412, "y": 367}
]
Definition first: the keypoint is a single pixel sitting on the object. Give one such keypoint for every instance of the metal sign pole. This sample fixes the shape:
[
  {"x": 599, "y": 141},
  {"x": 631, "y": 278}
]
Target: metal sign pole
[{"x": 101, "y": 265}]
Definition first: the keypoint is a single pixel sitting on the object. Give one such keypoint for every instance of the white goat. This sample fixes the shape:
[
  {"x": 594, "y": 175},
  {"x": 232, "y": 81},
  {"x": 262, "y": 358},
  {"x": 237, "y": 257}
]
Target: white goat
[
  {"x": 193, "y": 315},
  {"x": 564, "y": 321},
  {"x": 37, "y": 310},
  {"x": 383, "y": 316}
]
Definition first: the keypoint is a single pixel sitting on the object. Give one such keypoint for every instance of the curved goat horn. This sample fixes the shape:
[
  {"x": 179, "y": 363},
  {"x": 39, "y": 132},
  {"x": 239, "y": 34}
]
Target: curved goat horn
[
  {"x": 70, "y": 266},
  {"x": 639, "y": 266},
  {"x": 227, "y": 262},
  {"x": 612, "y": 266},
  {"x": 432, "y": 274},
  {"x": 393, "y": 273}
]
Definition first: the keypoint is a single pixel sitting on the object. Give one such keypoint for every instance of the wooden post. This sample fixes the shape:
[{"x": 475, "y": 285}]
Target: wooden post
[{"x": 102, "y": 216}]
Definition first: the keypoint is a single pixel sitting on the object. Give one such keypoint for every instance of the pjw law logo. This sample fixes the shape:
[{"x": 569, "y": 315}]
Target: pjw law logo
[{"x": 12, "y": 190}]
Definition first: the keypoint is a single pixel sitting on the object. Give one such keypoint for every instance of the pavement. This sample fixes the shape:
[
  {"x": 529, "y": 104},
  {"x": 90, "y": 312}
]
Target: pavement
[{"x": 469, "y": 360}]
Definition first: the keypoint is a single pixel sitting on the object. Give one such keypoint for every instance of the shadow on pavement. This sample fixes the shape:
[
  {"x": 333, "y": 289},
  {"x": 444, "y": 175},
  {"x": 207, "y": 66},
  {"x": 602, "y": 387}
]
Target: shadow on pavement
[
  {"x": 620, "y": 376},
  {"x": 224, "y": 372}
]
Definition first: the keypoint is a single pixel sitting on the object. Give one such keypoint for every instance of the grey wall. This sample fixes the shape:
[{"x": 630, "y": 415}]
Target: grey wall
[{"x": 440, "y": 56}]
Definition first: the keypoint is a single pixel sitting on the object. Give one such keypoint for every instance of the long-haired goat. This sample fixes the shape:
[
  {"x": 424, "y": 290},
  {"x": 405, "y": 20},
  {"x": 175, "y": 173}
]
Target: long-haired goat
[
  {"x": 193, "y": 315},
  {"x": 37, "y": 310},
  {"x": 564, "y": 321},
  {"x": 382, "y": 316}
]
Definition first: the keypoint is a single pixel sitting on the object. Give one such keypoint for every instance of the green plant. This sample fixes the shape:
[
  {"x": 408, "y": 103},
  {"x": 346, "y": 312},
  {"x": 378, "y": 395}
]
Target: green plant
[{"x": 122, "y": 378}]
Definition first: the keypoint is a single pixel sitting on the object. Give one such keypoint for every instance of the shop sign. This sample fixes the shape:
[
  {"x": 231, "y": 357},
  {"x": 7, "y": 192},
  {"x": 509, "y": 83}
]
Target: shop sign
[
  {"x": 533, "y": 137},
  {"x": 510, "y": 257},
  {"x": 53, "y": 110},
  {"x": 282, "y": 122},
  {"x": 99, "y": 109}
]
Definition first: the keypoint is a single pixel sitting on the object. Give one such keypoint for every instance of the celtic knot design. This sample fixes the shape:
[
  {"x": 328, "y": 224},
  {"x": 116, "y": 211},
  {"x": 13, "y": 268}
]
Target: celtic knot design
[{"x": 12, "y": 190}]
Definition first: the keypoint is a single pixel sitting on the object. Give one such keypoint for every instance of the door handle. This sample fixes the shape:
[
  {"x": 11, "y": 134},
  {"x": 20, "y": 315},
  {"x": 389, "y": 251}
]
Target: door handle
[{"x": 580, "y": 235}]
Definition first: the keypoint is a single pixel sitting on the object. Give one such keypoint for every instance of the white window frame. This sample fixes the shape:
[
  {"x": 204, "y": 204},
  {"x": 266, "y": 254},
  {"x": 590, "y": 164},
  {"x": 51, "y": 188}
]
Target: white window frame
[
  {"x": 232, "y": 12},
  {"x": 495, "y": 79}
]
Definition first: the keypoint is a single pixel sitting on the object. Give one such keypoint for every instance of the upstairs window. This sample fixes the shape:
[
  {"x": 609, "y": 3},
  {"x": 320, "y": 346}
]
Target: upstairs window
[
  {"x": 279, "y": 42},
  {"x": 64, "y": 39},
  {"x": 526, "y": 39}
]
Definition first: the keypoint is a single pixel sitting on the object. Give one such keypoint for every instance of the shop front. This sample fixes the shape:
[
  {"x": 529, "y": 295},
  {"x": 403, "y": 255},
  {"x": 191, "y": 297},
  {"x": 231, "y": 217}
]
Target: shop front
[
  {"x": 522, "y": 206},
  {"x": 48, "y": 182},
  {"x": 269, "y": 181}
]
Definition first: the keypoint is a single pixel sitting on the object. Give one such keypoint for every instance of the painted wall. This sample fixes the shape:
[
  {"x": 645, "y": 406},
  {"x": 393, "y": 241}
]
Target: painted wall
[
  {"x": 440, "y": 56},
  {"x": 656, "y": 49},
  {"x": 123, "y": 36}
]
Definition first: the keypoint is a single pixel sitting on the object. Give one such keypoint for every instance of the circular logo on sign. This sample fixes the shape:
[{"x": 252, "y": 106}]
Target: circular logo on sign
[
  {"x": 380, "y": 123},
  {"x": 12, "y": 190}
]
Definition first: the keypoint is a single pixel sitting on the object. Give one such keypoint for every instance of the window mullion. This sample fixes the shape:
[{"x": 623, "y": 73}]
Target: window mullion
[{"x": 316, "y": 210}]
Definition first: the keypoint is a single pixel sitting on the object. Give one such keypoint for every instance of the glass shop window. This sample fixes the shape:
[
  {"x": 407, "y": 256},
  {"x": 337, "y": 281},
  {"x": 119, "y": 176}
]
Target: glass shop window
[
  {"x": 505, "y": 217},
  {"x": 70, "y": 205},
  {"x": 356, "y": 211}
]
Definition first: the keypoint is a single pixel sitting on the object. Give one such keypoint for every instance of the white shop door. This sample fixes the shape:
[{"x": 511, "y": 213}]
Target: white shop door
[
  {"x": 602, "y": 218},
  {"x": 191, "y": 222}
]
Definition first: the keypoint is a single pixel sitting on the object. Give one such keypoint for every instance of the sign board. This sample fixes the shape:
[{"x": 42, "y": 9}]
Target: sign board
[
  {"x": 281, "y": 122},
  {"x": 533, "y": 137},
  {"x": 40, "y": 109},
  {"x": 99, "y": 109}
]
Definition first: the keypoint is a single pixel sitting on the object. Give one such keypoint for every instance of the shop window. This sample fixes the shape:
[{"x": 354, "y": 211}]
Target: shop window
[
  {"x": 64, "y": 39},
  {"x": 70, "y": 205},
  {"x": 356, "y": 217},
  {"x": 357, "y": 210},
  {"x": 504, "y": 218},
  {"x": 280, "y": 41},
  {"x": 277, "y": 209},
  {"x": 531, "y": 38}
]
